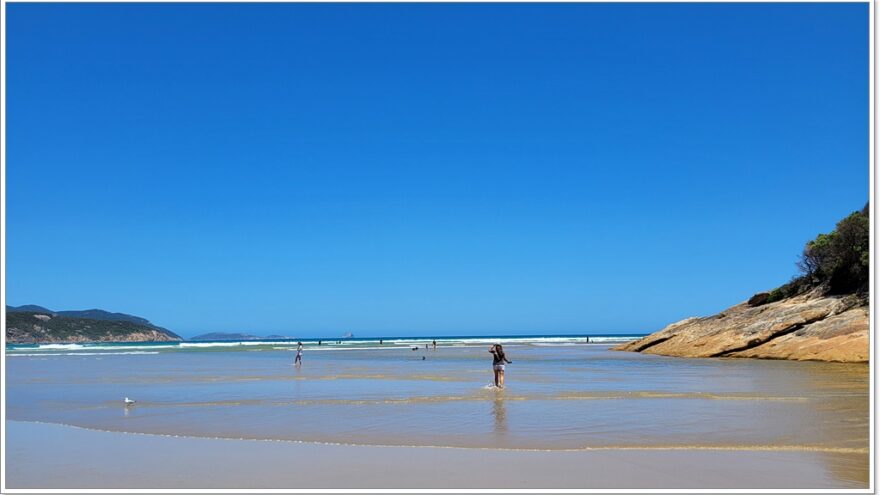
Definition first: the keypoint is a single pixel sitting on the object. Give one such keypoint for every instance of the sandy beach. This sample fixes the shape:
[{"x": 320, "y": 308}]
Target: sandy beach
[
  {"x": 56, "y": 456},
  {"x": 573, "y": 415}
]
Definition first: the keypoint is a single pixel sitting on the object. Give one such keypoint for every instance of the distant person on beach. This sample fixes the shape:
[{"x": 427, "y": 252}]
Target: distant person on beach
[
  {"x": 435, "y": 344},
  {"x": 498, "y": 360},
  {"x": 319, "y": 342},
  {"x": 299, "y": 354},
  {"x": 380, "y": 342}
]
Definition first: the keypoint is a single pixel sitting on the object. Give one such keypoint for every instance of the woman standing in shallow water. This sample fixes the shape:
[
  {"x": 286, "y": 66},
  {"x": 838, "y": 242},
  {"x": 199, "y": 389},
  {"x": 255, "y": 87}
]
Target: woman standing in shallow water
[
  {"x": 299, "y": 354},
  {"x": 498, "y": 360}
]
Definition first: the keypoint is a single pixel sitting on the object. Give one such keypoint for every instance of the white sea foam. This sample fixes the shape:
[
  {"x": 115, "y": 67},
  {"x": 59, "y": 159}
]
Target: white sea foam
[
  {"x": 209, "y": 344},
  {"x": 231, "y": 343},
  {"x": 53, "y": 348},
  {"x": 80, "y": 354},
  {"x": 612, "y": 338},
  {"x": 117, "y": 347},
  {"x": 60, "y": 346},
  {"x": 311, "y": 345}
]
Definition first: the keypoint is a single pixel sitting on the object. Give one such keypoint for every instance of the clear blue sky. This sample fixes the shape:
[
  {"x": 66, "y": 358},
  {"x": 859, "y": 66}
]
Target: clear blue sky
[{"x": 426, "y": 169}]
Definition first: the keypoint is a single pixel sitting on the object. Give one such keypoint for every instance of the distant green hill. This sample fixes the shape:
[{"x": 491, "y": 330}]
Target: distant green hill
[
  {"x": 30, "y": 307},
  {"x": 36, "y": 324},
  {"x": 94, "y": 314}
]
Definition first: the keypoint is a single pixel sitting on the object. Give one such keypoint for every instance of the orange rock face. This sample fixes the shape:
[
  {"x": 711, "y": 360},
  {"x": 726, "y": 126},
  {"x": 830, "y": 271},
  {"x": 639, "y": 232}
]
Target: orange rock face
[{"x": 807, "y": 327}]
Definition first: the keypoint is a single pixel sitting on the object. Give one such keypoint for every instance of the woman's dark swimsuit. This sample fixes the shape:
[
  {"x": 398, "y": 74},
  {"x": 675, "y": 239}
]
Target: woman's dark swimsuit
[{"x": 498, "y": 361}]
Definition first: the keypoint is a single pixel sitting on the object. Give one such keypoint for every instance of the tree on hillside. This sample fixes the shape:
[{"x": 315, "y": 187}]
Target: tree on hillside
[
  {"x": 840, "y": 259},
  {"x": 836, "y": 263}
]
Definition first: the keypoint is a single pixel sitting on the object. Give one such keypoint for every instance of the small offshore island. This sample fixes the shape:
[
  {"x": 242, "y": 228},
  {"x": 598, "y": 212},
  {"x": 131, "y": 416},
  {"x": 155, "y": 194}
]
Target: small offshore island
[{"x": 821, "y": 315}]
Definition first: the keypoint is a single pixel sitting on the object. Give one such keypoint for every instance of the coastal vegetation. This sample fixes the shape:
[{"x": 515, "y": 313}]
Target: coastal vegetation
[
  {"x": 44, "y": 326},
  {"x": 835, "y": 263}
]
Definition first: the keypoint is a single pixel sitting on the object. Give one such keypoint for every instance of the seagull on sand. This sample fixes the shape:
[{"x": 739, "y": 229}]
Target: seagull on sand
[{"x": 128, "y": 401}]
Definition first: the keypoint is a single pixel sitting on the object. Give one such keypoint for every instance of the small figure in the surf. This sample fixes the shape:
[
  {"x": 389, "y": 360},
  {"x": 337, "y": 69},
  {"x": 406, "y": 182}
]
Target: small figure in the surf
[
  {"x": 498, "y": 360},
  {"x": 434, "y": 343},
  {"x": 297, "y": 361}
]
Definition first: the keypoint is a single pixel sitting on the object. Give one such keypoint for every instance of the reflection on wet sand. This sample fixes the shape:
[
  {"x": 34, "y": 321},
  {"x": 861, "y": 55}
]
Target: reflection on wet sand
[
  {"x": 851, "y": 468},
  {"x": 500, "y": 413}
]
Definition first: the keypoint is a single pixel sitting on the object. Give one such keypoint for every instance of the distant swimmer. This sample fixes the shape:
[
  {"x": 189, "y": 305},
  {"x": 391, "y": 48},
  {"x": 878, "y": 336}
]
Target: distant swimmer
[
  {"x": 319, "y": 342},
  {"x": 498, "y": 360},
  {"x": 299, "y": 354},
  {"x": 380, "y": 342}
]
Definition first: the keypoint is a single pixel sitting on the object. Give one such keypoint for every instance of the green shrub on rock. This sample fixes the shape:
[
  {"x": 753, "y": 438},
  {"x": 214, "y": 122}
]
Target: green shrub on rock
[{"x": 837, "y": 262}]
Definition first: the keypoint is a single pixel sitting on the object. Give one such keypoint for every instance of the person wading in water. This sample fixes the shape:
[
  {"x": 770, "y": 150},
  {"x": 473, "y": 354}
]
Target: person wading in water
[
  {"x": 299, "y": 354},
  {"x": 498, "y": 360}
]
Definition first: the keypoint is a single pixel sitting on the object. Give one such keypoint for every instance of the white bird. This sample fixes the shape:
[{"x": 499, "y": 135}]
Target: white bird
[{"x": 128, "y": 401}]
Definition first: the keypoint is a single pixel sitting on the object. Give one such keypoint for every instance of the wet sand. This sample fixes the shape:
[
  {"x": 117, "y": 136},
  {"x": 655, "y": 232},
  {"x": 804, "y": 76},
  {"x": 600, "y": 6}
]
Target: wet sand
[{"x": 55, "y": 456}]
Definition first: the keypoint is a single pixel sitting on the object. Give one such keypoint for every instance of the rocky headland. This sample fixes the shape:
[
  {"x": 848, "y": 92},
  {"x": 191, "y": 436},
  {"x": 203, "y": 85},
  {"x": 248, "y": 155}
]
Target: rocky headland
[
  {"x": 820, "y": 315},
  {"x": 39, "y": 326},
  {"x": 808, "y": 327}
]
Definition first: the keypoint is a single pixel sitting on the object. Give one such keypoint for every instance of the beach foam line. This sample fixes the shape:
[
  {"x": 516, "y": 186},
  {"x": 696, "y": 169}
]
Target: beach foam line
[
  {"x": 60, "y": 346},
  {"x": 589, "y": 448},
  {"x": 80, "y": 354},
  {"x": 52, "y": 348},
  {"x": 209, "y": 344},
  {"x": 371, "y": 344}
]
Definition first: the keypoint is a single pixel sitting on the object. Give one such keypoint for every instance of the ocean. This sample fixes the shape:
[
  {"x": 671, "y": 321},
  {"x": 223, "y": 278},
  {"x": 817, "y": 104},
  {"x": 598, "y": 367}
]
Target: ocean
[{"x": 562, "y": 393}]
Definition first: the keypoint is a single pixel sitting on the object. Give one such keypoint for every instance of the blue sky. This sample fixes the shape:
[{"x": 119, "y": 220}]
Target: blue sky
[{"x": 444, "y": 169}]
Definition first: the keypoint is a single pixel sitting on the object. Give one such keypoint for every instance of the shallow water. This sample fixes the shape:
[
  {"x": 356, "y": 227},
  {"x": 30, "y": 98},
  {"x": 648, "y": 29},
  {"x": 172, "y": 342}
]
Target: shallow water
[{"x": 560, "y": 395}]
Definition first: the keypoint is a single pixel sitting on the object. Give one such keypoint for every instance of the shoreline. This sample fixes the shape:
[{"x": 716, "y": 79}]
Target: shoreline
[{"x": 46, "y": 455}]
